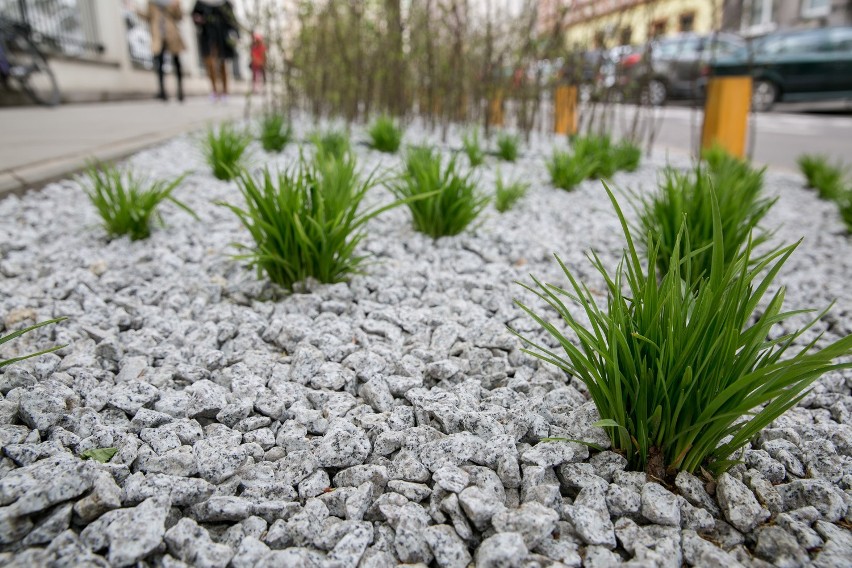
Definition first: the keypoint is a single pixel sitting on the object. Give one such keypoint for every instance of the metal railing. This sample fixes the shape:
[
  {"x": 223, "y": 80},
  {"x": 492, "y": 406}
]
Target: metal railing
[{"x": 63, "y": 27}]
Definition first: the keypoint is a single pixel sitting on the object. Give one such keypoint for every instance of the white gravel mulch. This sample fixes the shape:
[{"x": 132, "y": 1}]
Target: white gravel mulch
[{"x": 391, "y": 419}]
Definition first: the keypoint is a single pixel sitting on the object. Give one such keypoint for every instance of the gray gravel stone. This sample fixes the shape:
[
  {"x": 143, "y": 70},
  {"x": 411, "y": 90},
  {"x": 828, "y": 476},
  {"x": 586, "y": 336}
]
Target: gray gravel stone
[
  {"x": 700, "y": 552},
  {"x": 738, "y": 504},
  {"x": 479, "y": 506},
  {"x": 192, "y": 544},
  {"x": 660, "y": 506},
  {"x": 131, "y": 534},
  {"x": 775, "y": 545},
  {"x": 817, "y": 492},
  {"x": 533, "y": 521},
  {"x": 250, "y": 552},
  {"x": 502, "y": 550},
  {"x": 592, "y": 526},
  {"x": 449, "y": 550},
  {"x": 343, "y": 445},
  {"x": 349, "y": 549},
  {"x": 622, "y": 502},
  {"x": 105, "y": 496},
  {"x": 693, "y": 490},
  {"x": 50, "y": 527},
  {"x": 451, "y": 478}
]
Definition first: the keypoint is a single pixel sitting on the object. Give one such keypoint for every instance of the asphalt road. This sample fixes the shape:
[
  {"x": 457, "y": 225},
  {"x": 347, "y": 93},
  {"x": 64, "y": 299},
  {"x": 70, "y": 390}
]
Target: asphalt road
[{"x": 776, "y": 138}]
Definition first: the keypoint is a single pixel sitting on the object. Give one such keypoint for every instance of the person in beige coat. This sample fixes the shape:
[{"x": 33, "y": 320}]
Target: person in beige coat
[{"x": 163, "y": 17}]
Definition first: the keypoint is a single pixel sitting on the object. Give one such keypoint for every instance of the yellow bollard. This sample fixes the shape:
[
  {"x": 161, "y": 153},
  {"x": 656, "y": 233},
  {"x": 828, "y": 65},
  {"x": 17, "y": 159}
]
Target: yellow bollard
[
  {"x": 726, "y": 114},
  {"x": 565, "y": 110},
  {"x": 495, "y": 109}
]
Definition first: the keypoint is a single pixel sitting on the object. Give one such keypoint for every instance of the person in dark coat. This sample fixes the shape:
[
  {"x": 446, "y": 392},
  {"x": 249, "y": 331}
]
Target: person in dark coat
[{"x": 218, "y": 34}]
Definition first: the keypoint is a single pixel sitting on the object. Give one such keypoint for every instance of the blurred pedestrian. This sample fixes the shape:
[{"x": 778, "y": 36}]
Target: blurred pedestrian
[
  {"x": 163, "y": 17},
  {"x": 258, "y": 61},
  {"x": 219, "y": 33}
]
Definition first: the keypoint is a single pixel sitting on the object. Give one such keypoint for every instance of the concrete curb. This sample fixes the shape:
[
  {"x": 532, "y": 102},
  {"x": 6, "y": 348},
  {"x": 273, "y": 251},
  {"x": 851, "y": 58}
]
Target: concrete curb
[{"x": 34, "y": 176}]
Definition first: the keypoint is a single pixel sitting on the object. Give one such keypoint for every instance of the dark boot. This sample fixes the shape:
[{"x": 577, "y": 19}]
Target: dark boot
[
  {"x": 158, "y": 61},
  {"x": 179, "y": 75}
]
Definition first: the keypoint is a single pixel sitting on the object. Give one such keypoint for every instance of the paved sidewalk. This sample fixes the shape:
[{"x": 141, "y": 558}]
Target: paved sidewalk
[{"x": 40, "y": 144}]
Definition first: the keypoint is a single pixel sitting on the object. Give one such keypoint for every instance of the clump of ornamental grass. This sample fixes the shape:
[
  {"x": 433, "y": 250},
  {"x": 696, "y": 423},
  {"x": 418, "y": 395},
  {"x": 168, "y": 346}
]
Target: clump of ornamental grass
[
  {"x": 598, "y": 152},
  {"x": 626, "y": 156},
  {"x": 507, "y": 147},
  {"x": 275, "y": 133},
  {"x": 332, "y": 143},
  {"x": 473, "y": 149},
  {"x": 826, "y": 178},
  {"x": 128, "y": 205},
  {"x": 224, "y": 150},
  {"x": 506, "y": 194},
  {"x": 845, "y": 206},
  {"x": 385, "y": 135},
  {"x": 442, "y": 200},
  {"x": 306, "y": 222},
  {"x": 732, "y": 186},
  {"x": 568, "y": 170},
  {"x": 683, "y": 377},
  {"x": 19, "y": 333}
]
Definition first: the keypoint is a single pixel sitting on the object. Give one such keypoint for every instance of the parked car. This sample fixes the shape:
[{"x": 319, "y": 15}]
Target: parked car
[
  {"x": 675, "y": 67},
  {"x": 795, "y": 66}
]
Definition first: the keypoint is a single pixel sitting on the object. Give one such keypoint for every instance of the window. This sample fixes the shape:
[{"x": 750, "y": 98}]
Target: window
[
  {"x": 625, "y": 35},
  {"x": 658, "y": 28},
  {"x": 687, "y": 21},
  {"x": 816, "y": 8},
  {"x": 758, "y": 16}
]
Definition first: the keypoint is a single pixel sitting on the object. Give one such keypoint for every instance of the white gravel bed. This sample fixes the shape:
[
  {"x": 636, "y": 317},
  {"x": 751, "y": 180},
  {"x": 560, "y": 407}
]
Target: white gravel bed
[{"x": 388, "y": 420}]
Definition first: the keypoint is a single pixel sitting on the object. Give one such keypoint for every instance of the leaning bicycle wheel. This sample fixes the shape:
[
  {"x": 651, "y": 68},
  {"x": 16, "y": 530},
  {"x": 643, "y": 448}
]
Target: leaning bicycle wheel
[{"x": 36, "y": 77}]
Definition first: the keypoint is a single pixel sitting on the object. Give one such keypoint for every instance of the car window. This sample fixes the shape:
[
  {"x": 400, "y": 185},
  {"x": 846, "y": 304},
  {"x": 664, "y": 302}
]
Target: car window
[
  {"x": 727, "y": 47},
  {"x": 795, "y": 43},
  {"x": 690, "y": 46},
  {"x": 666, "y": 49},
  {"x": 840, "y": 39}
]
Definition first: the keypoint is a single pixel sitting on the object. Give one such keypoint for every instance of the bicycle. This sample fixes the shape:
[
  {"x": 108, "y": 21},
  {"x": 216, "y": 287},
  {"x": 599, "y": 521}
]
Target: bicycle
[{"x": 21, "y": 61}]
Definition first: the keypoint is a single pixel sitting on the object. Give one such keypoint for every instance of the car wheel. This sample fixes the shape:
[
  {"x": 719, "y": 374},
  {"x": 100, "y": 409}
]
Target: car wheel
[
  {"x": 654, "y": 93},
  {"x": 764, "y": 95}
]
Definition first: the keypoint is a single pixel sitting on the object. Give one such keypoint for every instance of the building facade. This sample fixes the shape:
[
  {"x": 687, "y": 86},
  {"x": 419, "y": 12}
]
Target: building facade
[
  {"x": 594, "y": 24},
  {"x": 101, "y": 49},
  {"x": 757, "y": 17}
]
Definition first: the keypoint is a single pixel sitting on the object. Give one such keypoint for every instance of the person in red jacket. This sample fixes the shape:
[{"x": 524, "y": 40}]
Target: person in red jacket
[{"x": 258, "y": 61}]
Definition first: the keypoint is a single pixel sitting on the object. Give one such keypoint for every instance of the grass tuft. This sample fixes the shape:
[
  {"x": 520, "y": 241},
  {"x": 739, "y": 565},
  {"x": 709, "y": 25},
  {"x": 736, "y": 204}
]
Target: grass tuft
[
  {"x": 332, "y": 143},
  {"x": 19, "y": 333},
  {"x": 684, "y": 378},
  {"x": 275, "y": 133},
  {"x": 126, "y": 204},
  {"x": 305, "y": 222},
  {"x": 224, "y": 150},
  {"x": 473, "y": 149},
  {"x": 507, "y": 147},
  {"x": 568, "y": 170},
  {"x": 598, "y": 153},
  {"x": 727, "y": 183},
  {"x": 385, "y": 135},
  {"x": 442, "y": 200},
  {"x": 827, "y": 179},
  {"x": 507, "y": 194},
  {"x": 627, "y": 156}
]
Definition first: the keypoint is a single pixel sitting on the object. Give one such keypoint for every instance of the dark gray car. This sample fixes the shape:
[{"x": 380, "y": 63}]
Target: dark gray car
[
  {"x": 674, "y": 68},
  {"x": 795, "y": 66}
]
